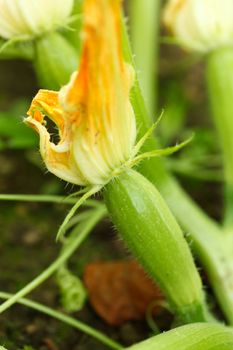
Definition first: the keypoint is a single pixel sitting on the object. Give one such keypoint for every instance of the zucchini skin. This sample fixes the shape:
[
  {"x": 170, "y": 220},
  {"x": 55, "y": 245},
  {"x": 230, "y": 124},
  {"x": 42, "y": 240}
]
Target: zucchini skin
[{"x": 152, "y": 234}]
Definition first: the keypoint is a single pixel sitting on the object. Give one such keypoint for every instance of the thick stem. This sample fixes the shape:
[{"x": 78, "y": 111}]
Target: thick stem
[
  {"x": 219, "y": 75},
  {"x": 144, "y": 25},
  {"x": 211, "y": 247},
  {"x": 153, "y": 235}
]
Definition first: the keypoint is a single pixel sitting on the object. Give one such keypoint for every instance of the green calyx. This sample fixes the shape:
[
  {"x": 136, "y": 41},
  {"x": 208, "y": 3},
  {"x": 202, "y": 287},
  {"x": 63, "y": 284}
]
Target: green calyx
[
  {"x": 133, "y": 161},
  {"x": 137, "y": 156}
]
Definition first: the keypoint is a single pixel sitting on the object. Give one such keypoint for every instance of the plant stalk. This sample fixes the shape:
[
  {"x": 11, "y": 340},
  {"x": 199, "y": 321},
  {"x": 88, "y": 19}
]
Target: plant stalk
[
  {"x": 219, "y": 76},
  {"x": 144, "y": 28},
  {"x": 40, "y": 198}
]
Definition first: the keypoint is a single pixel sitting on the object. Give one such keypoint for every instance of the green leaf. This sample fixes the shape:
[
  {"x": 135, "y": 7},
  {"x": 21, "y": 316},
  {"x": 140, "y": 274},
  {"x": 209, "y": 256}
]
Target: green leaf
[
  {"x": 18, "y": 49},
  {"x": 162, "y": 152},
  {"x": 80, "y": 201},
  {"x": 14, "y": 134}
]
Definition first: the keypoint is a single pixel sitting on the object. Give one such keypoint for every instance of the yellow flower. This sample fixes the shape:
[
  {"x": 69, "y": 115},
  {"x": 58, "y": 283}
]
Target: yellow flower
[
  {"x": 96, "y": 122},
  {"x": 200, "y": 25},
  {"x": 31, "y": 18}
]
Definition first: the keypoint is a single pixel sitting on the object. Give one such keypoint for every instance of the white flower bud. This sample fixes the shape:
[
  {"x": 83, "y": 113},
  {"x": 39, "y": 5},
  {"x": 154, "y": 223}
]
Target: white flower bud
[
  {"x": 31, "y": 18},
  {"x": 200, "y": 25}
]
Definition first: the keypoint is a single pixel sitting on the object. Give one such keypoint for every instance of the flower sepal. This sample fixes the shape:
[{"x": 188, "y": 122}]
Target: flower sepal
[{"x": 125, "y": 167}]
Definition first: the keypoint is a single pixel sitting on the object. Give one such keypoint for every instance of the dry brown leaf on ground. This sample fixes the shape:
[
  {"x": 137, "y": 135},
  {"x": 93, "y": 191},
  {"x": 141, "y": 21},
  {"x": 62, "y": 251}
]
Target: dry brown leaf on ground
[{"x": 120, "y": 291}]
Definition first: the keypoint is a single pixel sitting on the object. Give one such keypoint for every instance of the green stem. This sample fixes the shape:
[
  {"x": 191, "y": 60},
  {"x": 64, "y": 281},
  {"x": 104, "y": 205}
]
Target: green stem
[
  {"x": 144, "y": 25},
  {"x": 73, "y": 210},
  {"x": 66, "y": 319},
  {"x": 208, "y": 243},
  {"x": 70, "y": 249},
  {"x": 143, "y": 119},
  {"x": 219, "y": 76},
  {"x": 45, "y": 199}
]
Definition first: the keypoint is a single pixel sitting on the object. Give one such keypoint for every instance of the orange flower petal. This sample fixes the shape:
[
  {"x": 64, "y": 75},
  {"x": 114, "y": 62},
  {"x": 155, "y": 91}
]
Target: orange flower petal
[{"x": 93, "y": 113}]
